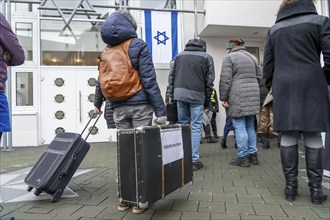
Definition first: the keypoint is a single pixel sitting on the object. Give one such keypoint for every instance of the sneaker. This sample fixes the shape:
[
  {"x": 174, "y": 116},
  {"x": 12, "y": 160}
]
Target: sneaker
[
  {"x": 197, "y": 165},
  {"x": 122, "y": 207},
  {"x": 137, "y": 210},
  {"x": 240, "y": 161},
  {"x": 216, "y": 136},
  {"x": 223, "y": 145},
  {"x": 253, "y": 158},
  {"x": 212, "y": 140}
]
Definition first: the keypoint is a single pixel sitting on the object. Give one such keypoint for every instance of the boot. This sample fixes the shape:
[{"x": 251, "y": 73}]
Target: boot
[
  {"x": 240, "y": 161},
  {"x": 289, "y": 158},
  {"x": 314, "y": 165},
  {"x": 253, "y": 158}
]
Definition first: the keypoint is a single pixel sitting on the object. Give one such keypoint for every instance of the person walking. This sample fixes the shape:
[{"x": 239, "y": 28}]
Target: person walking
[
  {"x": 215, "y": 110},
  {"x": 138, "y": 109},
  {"x": 212, "y": 125},
  {"x": 11, "y": 54},
  {"x": 239, "y": 92},
  {"x": 301, "y": 105},
  {"x": 226, "y": 129},
  {"x": 191, "y": 83}
]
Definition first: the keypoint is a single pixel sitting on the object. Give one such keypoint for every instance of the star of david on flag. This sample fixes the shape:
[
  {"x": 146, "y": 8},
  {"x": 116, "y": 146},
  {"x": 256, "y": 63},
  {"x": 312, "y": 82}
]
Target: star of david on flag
[{"x": 162, "y": 35}]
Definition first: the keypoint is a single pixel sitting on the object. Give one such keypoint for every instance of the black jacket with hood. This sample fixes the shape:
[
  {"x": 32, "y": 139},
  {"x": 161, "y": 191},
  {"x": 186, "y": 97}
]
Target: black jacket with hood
[{"x": 192, "y": 76}]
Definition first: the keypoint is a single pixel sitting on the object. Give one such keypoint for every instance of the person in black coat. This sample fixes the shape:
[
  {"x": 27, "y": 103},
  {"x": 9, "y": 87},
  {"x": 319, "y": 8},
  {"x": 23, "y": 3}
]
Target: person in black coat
[{"x": 299, "y": 85}]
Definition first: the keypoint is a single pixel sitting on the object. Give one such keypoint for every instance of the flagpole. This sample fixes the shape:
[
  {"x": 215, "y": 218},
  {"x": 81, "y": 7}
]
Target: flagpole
[{"x": 195, "y": 19}]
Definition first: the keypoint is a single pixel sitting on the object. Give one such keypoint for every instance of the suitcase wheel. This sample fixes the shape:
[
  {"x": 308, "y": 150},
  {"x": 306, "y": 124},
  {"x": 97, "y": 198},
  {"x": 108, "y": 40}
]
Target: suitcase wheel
[
  {"x": 29, "y": 188},
  {"x": 56, "y": 196},
  {"x": 37, "y": 192}
]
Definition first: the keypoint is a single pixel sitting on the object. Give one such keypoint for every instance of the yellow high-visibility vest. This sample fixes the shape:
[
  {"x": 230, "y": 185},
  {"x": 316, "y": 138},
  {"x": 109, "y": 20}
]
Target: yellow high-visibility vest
[{"x": 212, "y": 96}]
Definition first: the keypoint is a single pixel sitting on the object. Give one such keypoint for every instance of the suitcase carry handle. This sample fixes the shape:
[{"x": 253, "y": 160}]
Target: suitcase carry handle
[{"x": 98, "y": 117}]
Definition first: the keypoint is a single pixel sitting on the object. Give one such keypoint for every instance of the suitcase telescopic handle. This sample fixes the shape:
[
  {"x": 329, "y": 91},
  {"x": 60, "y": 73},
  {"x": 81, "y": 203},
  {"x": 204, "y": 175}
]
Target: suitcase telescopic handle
[{"x": 93, "y": 116}]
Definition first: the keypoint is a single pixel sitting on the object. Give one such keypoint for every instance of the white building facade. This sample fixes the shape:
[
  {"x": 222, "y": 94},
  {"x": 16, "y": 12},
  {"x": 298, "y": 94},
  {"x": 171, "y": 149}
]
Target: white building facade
[{"x": 53, "y": 91}]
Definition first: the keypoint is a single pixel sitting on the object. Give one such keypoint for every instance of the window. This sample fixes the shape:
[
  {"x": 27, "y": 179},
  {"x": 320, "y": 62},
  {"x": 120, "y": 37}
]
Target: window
[
  {"x": 78, "y": 45},
  {"x": 254, "y": 51},
  {"x": 24, "y": 35},
  {"x": 24, "y": 88},
  {"x": 22, "y": 7}
]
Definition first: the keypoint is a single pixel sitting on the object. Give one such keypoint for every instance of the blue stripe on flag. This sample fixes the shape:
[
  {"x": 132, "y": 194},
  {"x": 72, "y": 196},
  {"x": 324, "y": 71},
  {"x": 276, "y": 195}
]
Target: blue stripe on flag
[
  {"x": 174, "y": 27},
  {"x": 147, "y": 17}
]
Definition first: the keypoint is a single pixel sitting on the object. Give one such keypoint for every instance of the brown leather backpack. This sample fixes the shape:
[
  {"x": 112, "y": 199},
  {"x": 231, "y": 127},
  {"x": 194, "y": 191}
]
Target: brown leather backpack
[{"x": 118, "y": 79}]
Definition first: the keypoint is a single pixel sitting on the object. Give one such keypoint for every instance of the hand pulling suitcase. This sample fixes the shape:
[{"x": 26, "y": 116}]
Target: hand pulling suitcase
[
  {"x": 58, "y": 163},
  {"x": 153, "y": 162}
]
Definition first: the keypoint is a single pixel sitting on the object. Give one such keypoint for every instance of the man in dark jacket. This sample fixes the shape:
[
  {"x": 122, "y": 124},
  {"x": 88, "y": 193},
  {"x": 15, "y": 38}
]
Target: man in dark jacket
[
  {"x": 191, "y": 81},
  {"x": 299, "y": 87},
  {"x": 137, "y": 110}
]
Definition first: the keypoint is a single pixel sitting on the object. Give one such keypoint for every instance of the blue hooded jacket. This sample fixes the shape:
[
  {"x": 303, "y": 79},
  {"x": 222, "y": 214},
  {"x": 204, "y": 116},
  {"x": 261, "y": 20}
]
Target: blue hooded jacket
[{"x": 117, "y": 29}]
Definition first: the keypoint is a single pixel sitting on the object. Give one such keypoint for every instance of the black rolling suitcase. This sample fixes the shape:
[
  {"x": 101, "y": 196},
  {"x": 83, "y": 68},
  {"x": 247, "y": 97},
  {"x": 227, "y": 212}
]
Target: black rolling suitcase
[
  {"x": 153, "y": 162},
  {"x": 58, "y": 163}
]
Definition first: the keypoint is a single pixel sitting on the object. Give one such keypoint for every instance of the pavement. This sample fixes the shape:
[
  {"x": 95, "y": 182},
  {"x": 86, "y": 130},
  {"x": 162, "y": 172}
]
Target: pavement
[{"x": 218, "y": 191}]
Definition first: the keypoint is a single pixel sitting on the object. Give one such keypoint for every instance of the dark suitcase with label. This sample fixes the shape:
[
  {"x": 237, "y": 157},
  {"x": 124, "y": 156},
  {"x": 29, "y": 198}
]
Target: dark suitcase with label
[
  {"x": 58, "y": 163},
  {"x": 153, "y": 162}
]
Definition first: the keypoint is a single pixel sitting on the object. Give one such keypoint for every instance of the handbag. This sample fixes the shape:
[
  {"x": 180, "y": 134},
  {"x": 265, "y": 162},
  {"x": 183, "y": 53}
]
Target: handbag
[
  {"x": 265, "y": 125},
  {"x": 172, "y": 112}
]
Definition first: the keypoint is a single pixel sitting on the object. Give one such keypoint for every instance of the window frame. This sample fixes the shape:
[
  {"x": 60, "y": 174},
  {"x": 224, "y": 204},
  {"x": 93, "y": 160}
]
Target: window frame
[
  {"x": 34, "y": 72},
  {"x": 34, "y": 61}
]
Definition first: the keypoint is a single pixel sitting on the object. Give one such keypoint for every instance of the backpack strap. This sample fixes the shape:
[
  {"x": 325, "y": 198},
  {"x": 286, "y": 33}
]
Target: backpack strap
[{"x": 125, "y": 45}]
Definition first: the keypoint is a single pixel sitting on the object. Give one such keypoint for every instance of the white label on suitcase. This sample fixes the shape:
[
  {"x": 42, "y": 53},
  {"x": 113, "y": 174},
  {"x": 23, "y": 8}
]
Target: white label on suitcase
[{"x": 172, "y": 146}]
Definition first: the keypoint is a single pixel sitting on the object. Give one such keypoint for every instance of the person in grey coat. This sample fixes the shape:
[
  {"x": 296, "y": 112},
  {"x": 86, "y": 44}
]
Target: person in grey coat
[
  {"x": 299, "y": 84},
  {"x": 239, "y": 92}
]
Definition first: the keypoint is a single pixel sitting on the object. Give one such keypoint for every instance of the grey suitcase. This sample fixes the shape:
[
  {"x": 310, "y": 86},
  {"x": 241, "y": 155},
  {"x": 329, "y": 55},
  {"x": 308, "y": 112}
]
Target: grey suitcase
[{"x": 56, "y": 166}]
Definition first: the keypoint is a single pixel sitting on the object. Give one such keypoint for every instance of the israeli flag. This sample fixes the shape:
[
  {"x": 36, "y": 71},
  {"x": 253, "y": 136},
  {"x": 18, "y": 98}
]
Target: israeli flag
[{"x": 162, "y": 35}]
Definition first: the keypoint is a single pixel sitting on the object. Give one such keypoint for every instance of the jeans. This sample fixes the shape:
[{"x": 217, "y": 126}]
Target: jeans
[
  {"x": 132, "y": 116},
  {"x": 192, "y": 114},
  {"x": 245, "y": 135}
]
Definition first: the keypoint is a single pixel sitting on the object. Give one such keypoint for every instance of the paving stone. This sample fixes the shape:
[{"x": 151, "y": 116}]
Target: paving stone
[
  {"x": 211, "y": 207},
  {"x": 258, "y": 191},
  {"x": 200, "y": 196},
  {"x": 275, "y": 199},
  {"x": 249, "y": 198},
  {"x": 89, "y": 211},
  {"x": 223, "y": 182},
  {"x": 224, "y": 216},
  {"x": 213, "y": 189},
  {"x": 265, "y": 209},
  {"x": 143, "y": 216},
  {"x": 243, "y": 183},
  {"x": 224, "y": 197},
  {"x": 185, "y": 206},
  {"x": 255, "y": 217},
  {"x": 178, "y": 195},
  {"x": 167, "y": 215},
  {"x": 235, "y": 189},
  {"x": 196, "y": 215},
  {"x": 299, "y": 211},
  {"x": 238, "y": 208},
  {"x": 163, "y": 204}
]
